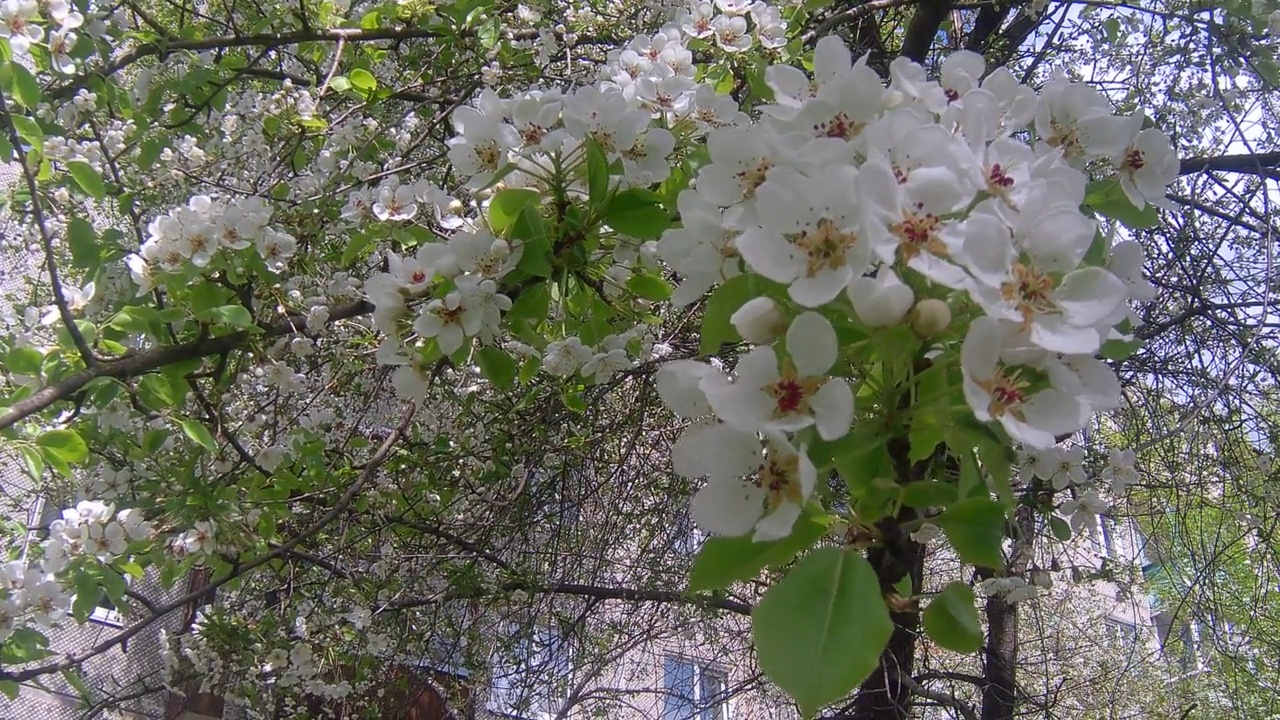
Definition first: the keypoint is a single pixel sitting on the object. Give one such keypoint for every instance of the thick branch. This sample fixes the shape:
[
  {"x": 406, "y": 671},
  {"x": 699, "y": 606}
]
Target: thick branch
[
  {"x": 826, "y": 27},
  {"x": 1257, "y": 163},
  {"x": 923, "y": 29}
]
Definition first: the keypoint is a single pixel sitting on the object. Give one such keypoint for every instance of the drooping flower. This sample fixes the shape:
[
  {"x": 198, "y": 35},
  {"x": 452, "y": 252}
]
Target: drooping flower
[{"x": 749, "y": 487}]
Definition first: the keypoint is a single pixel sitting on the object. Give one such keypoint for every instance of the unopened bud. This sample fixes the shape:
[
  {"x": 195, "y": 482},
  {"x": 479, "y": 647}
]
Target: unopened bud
[
  {"x": 759, "y": 321},
  {"x": 930, "y": 317}
]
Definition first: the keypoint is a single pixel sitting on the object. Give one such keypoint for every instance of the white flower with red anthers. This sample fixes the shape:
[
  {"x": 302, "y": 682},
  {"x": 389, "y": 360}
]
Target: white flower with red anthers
[
  {"x": 767, "y": 397},
  {"x": 1076, "y": 120},
  {"x": 999, "y": 390},
  {"x": 1146, "y": 168},
  {"x": 906, "y": 218},
  {"x": 702, "y": 251}
]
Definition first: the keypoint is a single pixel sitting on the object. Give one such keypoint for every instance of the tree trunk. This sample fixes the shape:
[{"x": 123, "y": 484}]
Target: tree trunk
[
  {"x": 1000, "y": 656},
  {"x": 883, "y": 696}
]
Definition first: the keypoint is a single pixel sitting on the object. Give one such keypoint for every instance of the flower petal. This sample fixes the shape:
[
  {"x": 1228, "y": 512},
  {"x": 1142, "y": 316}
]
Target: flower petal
[
  {"x": 728, "y": 507},
  {"x": 812, "y": 344},
  {"x": 833, "y": 409}
]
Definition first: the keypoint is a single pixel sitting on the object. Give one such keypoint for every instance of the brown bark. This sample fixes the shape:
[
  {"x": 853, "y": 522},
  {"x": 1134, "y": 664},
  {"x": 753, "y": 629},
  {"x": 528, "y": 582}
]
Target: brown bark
[
  {"x": 1000, "y": 654},
  {"x": 883, "y": 696}
]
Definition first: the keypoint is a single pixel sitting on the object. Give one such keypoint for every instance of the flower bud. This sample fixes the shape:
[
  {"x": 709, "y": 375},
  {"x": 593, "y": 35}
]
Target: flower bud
[
  {"x": 759, "y": 321},
  {"x": 930, "y": 317}
]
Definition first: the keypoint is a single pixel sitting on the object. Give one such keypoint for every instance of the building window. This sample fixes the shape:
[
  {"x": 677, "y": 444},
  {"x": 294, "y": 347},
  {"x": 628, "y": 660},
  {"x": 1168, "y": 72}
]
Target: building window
[
  {"x": 693, "y": 691},
  {"x": 530, "y": 670},
  {"x": 106, "y": 612}
]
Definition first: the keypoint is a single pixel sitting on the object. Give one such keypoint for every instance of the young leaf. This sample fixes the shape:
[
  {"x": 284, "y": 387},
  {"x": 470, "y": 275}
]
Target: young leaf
[
  {"x": 820, "y": 631},
  {"x": 721, "y": 305},
  {"x": 87, "y": 178},
  {"x": 951, "y": 620},
  {"x": 506, "y": 206},
  {"x": 85, "y": 252},
  {"x": 724, "y": 560},
  {"x": 199, "y": 434},
  {"x": 597, "y": 173},
  {"x": 234, "y": 315},
  {"x": 975, "y": 527},
  {"x": 637, "y": 213},
  {"x": 66, "y": 445},
  {"x": 497, "y": 366},
  {"x": 649, "y": 287}
]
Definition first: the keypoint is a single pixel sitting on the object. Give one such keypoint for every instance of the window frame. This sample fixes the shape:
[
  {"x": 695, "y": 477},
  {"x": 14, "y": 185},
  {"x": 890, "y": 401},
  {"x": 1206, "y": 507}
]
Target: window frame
[{"x": 679, "y": 707}]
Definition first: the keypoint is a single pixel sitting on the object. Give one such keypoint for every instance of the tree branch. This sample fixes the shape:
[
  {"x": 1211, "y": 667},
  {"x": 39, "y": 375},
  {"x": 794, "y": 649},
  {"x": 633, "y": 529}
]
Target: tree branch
[
  {"x": 591, "y": 591},
  {"x": 1257, "y": 163},
  {"x": 146, "y": 361},
  {"x": 923, "y": 29},
  {"x": 73, "y": 659},
  {"x": 266, "y": 41}
]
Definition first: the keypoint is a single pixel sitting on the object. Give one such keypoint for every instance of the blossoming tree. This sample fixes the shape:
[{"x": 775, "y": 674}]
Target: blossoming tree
[{"x": 862, "y": 280}]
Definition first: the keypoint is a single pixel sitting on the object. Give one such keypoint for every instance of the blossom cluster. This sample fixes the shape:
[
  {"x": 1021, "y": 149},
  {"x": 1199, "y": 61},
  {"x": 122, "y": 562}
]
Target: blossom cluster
[
  {"x": 193, "y": 235},
  {"x": 21, "y": 24},
  {"x": 36, "y": 592},
  {"x": 890, "y": 203}
]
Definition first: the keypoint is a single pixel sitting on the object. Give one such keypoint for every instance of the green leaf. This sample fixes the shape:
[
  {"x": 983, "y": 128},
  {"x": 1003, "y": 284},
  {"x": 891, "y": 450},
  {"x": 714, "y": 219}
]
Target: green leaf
[
  {"x": 234, "y": 315},
  {"x": 153, "y": 439},
  {"x": 85, "y": 252},
  {"x": 9, "y": 689},
  {"x": 24, "y": 361},
  {"x": 1119, "y": 349},
  {"x": 1107, "y": 198},
  {"x": 975, "y": 527},
  {"x": 926, "y": 494},
  {"x": 536, "y": 258},
  {"x": 25, "y": 86},
  {"x": 951, "y": 620},
  {"x": 649, "y": 287},
  {"x": 340, "y": 83},
  {"x": 88, "y": 593},
  {"x": 66, "y": 445},
  {"x": 28, "y": 130},
  {"x": 199, "y": 434},
  {"x": 506, "y": 206},
  {"x": 724, "y": 560},
  {"x": 23, "y": 646},
  {"x": 157, "y": 392},
  {"x": 87, "y": 178},
  {"x": 363, "y": 80},
  {"x": 1060, "y": 528},
  {"x": 924, "y": 438},
  {"x": 76, "y": 681},
  {"x": 574, "y": 401},
  {"x": 820, "y": 632},
  {"x": 597, "y": 173},
  {"x": 533, "y": 303},
  {"x": 638, "y": 213},
  {"x": 721, "y": 305},
  {"x": 498, "y": 367}
]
